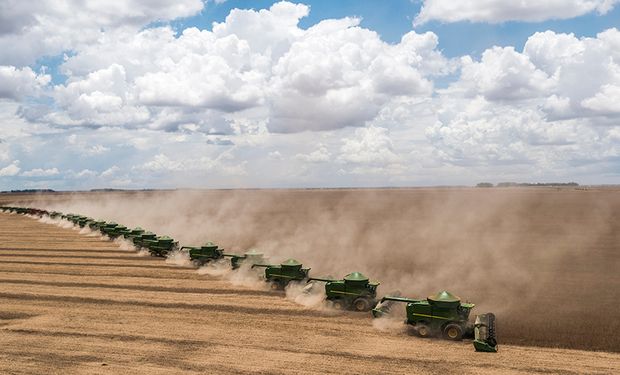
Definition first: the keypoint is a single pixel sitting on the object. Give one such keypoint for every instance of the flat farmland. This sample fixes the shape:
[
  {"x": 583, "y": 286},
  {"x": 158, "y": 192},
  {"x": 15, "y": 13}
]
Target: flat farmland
[{"x": 545, "y": 261}]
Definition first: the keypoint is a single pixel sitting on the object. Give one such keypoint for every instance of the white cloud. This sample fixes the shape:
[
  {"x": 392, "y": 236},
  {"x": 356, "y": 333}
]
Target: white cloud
[
  {"x": 503, "y": 74},
  {"x": 39, "y": 172},
  {"x": 370, "y": 145},
  {"x": 320, "y": 155},
  {"x": 10, "y": 170},
  {"x": 30, "y": 29},
  {"x": 85, "y": 173},
  {"x": 17, "y": 83},
  {"x": 606, "y": 101},
  {"x": 112, "y": 171},
  {"x": 496, "y": 11},
  {"x": 256, "y": 67}
]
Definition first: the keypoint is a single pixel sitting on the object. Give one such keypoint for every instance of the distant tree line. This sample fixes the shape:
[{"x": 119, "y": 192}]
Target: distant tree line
[
  {"x": 526, "y": 184},
  {"x": 30, "y": 191}
]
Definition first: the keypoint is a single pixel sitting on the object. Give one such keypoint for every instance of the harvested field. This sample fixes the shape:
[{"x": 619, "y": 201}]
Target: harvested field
[
  {"x": 521, "y": 253},
  {"x": 82, "y": 305}
]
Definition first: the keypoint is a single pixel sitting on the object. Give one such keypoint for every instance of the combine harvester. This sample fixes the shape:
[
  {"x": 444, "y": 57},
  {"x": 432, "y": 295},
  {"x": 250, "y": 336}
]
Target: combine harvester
[
  {"x": 160, "y": 246},
  {"x": 201, "y": 255},
  {"x": 133, "y": 233},
  {"x": 280, "y": 275},
  {"x": 444, "y": 315},
  {"x": 354, "y": 292}
]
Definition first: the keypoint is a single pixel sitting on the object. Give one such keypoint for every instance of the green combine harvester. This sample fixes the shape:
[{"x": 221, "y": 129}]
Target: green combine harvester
[
  {"x": 251, "y": 257},
  {"x": 138, "y": 240},
  {"x": 96, "y": 225},
  {"x": 108, "y": 228},
  {"x": 133, "y": 233},
  {"x": 84, "y": 221},
  {"x": 201, "y": 255},
  {"x": 280, "y": 275},
  {"x": 444, "y": 315},
  {"x": 118, "y": 231},
  {"x": 160, "y": 246},
  {"x": 354, "y": 292}
]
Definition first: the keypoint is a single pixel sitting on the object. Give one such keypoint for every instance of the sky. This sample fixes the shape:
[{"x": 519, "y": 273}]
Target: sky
[{"x": 264, "y": 94}]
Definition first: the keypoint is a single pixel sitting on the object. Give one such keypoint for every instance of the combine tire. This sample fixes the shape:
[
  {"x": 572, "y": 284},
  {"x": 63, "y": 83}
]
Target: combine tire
[
  {"x": 275, "y": 285},
  {"x": 338, "y": 305},
  {"x": 423, "y": 330},
  {"x": 453, "y": 332},
  {"x": 361, "y": 304}
]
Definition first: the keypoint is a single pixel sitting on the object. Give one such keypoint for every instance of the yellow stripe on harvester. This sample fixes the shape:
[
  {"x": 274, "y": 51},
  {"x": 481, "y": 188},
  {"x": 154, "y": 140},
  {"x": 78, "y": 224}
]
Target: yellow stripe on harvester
[
  {"x": 352, "y": 294},
  {"x": 432, "y": 316}
]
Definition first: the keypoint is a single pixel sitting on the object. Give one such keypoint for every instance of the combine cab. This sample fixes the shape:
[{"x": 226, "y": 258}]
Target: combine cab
[
  {"x": 160, "y": 246},
  {"x": 353, "y": 292},
  {"x": 251, "y": 257},
  {"x": 204, "y": 254},
  {"x": 443, "y": 315},
  {"x": 279, "y": 275}
]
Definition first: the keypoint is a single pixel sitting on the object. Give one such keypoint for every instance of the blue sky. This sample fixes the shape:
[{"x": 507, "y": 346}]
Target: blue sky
[{"x": 308, "y": 94}]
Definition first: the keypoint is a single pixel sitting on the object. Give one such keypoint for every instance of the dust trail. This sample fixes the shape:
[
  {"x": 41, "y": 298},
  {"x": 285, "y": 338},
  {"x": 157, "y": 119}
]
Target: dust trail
[
  {"x": 248, "y": 277},
  {"x": 393, "y": 318},
  {"x": 124, "y": 244},
  {"x": 308, "y": 295},
  {"x": 179, "y": 258},
  {"x": 219, "y": 268},
  {"x": 242, "y": 276},
  {"x": 143, "y": 253}
]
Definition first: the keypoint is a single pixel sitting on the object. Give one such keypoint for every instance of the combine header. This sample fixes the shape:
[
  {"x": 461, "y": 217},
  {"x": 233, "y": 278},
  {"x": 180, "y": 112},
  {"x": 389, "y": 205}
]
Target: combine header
[
  {"x": 204, "y": 254},
  {"x": 444, "y": 315},
  {"x": 252, "y": 257},
  {"x": 280, "y": 275},
  {"x": 353, "y": 292}
]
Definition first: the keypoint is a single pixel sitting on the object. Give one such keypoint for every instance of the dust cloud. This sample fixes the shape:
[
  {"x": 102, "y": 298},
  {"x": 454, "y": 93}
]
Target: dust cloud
[{"x": 515, "y": 252}]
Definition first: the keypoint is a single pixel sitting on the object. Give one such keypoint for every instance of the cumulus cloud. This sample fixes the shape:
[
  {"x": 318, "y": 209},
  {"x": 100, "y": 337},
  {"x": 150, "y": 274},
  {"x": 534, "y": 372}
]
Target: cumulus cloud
[
  {"x": 256, "y": 67},
  {"x": 10, "y": 170},
  {"x": 496, "y": 11},
  {"x": 320, "y": 155},
  {"x": 334, "y": 99},
  {"x": 339, "y": 74},
  {"x": 16, "y": 83},
  {"x": 533, "y": 106},
  {"x": 46, "y": 27},
  {"x": 39, "y": 172},
  {"x": 371, "y": 145}
]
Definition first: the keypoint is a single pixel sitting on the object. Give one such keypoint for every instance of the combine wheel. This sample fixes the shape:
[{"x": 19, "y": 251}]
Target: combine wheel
[
  {"x": 275, "y": 285},
  {"x": 338, "y": 305},
  {"x": 423, "y": 330},
  {"x": 453, "y": 332},
  {"x": 361, "y": 304}
]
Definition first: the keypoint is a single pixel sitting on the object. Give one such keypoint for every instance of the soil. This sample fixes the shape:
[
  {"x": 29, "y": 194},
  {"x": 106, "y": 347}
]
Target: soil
[{"x": 76, "y": 304}]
